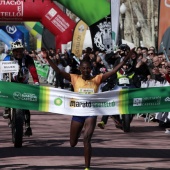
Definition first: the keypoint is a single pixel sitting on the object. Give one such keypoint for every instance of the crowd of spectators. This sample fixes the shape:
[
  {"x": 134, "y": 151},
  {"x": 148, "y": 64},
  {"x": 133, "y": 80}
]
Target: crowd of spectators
[
  {"x": 150, "y": 68},
  {"x": 146, "y": 62}
]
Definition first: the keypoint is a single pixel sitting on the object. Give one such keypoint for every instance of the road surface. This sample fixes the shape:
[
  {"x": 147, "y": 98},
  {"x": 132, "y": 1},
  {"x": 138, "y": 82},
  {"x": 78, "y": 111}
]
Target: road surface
[{"x": 146, "y": 147}]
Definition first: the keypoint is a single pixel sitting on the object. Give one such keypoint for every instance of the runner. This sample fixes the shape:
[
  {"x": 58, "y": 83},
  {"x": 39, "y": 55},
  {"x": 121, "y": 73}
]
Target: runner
[{"x": 86, "y": 84}]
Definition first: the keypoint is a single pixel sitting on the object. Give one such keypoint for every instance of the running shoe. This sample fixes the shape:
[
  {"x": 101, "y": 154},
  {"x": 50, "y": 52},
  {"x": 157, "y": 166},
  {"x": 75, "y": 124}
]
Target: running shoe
[
  {"x": 167, "y": 131},
  {"x": 101, "y": 125}
]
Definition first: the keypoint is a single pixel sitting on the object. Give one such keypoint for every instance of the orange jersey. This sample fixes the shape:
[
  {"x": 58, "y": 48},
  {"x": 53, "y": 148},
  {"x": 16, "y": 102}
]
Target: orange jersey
[{"x": 85, "y": 86}]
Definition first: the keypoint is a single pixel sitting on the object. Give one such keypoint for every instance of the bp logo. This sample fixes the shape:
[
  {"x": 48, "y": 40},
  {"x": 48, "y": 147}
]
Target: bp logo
[
  {"x": 17, "y": 95},
  {"x": 58, "y": 102}
]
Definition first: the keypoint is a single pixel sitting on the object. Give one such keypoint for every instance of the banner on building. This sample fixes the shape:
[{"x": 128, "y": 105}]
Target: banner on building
[{"x": 164, "y": 25}]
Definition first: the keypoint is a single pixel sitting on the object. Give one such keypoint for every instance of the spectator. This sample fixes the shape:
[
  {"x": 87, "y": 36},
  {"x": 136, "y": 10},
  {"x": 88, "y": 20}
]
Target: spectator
[
  {"x": 145, "y": 51},
  {"x": 139, "y": 50}
]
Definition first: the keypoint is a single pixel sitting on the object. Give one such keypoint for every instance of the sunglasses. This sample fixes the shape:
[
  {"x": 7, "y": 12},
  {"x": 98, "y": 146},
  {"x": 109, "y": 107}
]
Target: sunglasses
[{"x": 150, "y": 53}]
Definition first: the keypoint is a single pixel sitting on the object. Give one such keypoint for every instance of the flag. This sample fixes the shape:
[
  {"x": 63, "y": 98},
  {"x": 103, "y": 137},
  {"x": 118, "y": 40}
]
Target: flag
[
  {"x": 164, "y": 25},
  {"x": 115, "y": 8},
  {"x": 78, "y": 38},
  {"x": 101, "y": 34},
  {"x": 90, "y": 11}
]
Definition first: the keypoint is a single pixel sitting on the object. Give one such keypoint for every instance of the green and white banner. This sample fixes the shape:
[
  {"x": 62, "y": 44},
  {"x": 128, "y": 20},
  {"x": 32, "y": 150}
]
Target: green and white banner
[{"x": 48, "y": 99}]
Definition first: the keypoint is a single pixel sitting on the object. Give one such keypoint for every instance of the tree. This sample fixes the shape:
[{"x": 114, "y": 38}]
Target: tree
[{"x": 145, "y": 13}]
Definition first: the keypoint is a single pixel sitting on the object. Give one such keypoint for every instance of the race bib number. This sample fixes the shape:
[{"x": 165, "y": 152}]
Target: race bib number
[
  {"x": 86, "y": 91},
  {"x": 124, "y": 80}
]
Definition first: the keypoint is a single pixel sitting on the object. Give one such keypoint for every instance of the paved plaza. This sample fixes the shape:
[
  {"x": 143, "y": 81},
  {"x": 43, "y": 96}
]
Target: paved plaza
[{"x": 146, "y": 147}]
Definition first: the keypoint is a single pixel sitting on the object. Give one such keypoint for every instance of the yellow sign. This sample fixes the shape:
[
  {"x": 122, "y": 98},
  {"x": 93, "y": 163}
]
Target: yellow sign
[{"x": 78, "y": 38}]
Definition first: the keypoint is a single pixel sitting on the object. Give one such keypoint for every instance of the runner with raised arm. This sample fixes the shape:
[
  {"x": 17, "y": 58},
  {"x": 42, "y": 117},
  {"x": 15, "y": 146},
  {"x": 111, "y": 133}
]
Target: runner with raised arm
[{"x": 86, "y": 84}]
